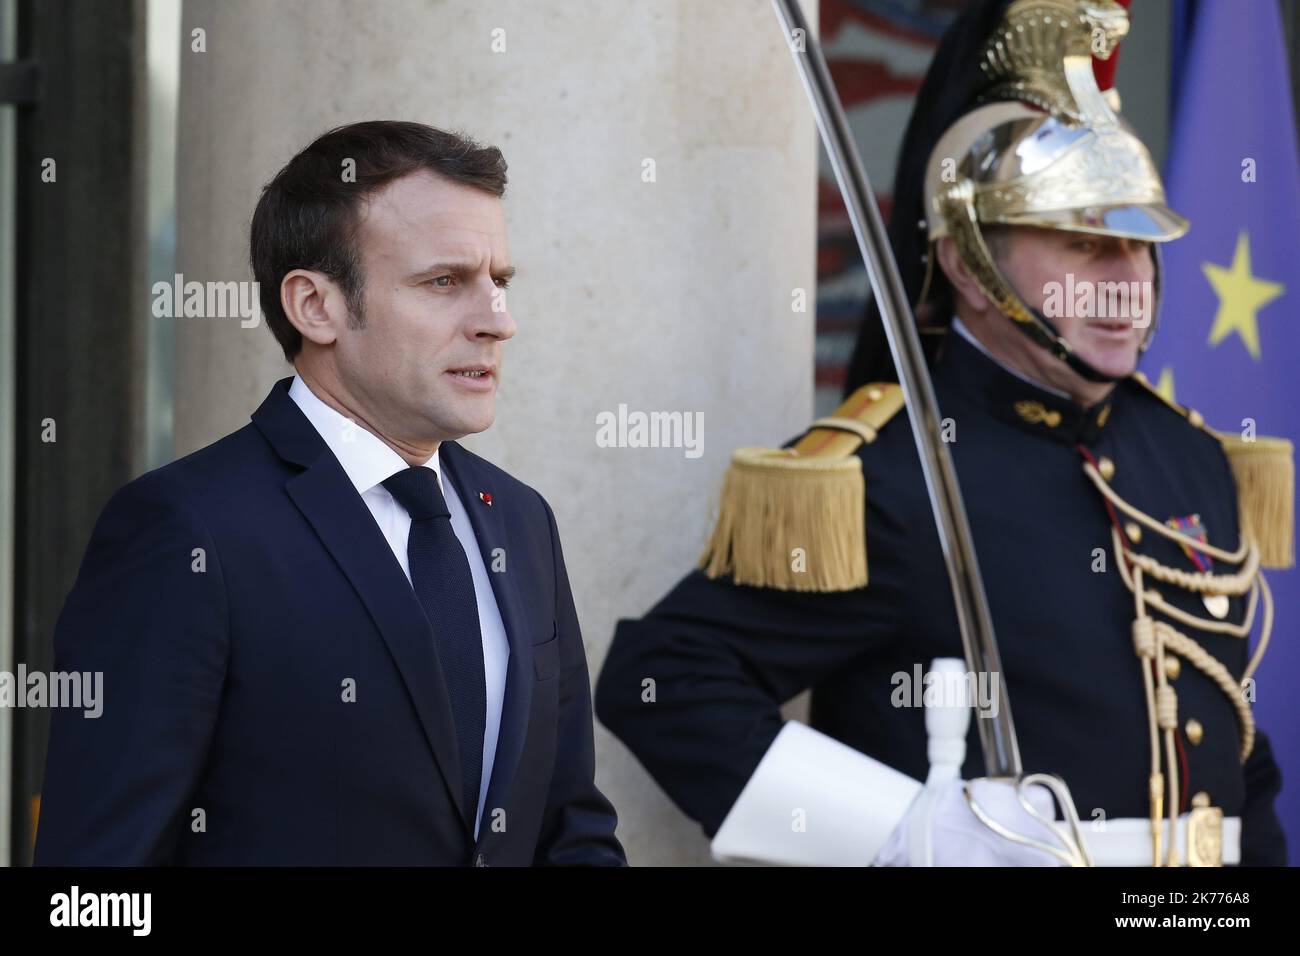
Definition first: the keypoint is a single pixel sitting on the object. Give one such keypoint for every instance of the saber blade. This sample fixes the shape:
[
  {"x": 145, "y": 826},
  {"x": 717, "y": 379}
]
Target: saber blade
[{"x": 997, "y": 732}]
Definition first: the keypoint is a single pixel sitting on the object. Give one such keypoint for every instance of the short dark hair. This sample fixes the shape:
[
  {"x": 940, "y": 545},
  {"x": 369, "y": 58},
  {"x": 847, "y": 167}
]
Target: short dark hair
[{"x": 307, "y": 216}]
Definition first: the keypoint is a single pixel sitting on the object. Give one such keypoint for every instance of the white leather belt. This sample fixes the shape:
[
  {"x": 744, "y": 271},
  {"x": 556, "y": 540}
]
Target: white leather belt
[{"x": 1127, "y": 841}]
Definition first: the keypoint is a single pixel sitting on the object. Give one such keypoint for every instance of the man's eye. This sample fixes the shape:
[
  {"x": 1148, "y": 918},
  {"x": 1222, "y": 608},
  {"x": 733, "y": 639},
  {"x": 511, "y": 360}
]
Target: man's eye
[
  {"x": 1084, "y": 245},
  {"x": 442, "y": 282},
  {"x": 502, "y": 283}
]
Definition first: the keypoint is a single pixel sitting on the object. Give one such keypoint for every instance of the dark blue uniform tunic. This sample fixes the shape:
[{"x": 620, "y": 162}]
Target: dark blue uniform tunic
[{"x": 725, "y": 657}]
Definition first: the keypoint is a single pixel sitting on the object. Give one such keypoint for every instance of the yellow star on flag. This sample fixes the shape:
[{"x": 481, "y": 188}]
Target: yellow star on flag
[
  {"x": 1241, "y": 296},
  {"x": 1165, "y": 386}
]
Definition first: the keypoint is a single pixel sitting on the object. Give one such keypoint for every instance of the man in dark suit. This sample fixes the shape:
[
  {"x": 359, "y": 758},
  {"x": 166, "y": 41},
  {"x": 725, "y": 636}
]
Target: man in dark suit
[{"x": 335, "y": 636}]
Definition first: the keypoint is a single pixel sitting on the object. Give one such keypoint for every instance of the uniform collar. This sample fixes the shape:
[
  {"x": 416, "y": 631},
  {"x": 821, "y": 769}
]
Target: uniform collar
[
  {"x": 365, "y": 458},
  {"x": 1012, "y": 397}
]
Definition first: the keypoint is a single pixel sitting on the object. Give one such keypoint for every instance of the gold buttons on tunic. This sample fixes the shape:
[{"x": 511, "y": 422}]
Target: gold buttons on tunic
[
  {"x": 1106, "y": 467},
  {"x": 1202, "y": 799},
  {"x": 1195, "y": 732},
  {"x": 1173, "y": 667},
  {"x": 1195, "y": 417},
  {"x": 1134, "y": 532}
]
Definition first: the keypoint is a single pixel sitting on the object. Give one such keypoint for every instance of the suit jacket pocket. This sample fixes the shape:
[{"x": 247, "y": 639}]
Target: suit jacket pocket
[{"x": 546, "y": 658}]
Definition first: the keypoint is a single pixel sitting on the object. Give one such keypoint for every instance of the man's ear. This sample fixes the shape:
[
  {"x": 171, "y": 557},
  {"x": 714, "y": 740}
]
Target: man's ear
[
  {"x": 964, "y": 286},
  {"x": 314, "y": 303}
]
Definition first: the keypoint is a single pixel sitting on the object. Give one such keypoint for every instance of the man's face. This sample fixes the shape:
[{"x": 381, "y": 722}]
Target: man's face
[
  {"x": 426, "y": 361},
  {"x": 1033, "y": 259}
]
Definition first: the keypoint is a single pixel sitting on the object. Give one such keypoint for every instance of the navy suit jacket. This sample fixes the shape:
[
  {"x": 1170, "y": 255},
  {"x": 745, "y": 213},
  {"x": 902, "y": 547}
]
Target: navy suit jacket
[{"x": 228, "y": 735}]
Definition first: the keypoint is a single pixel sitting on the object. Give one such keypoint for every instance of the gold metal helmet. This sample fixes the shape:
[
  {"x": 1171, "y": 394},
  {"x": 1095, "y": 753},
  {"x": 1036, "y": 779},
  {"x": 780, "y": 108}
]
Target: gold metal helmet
[{"x": 1045, "y": 149}]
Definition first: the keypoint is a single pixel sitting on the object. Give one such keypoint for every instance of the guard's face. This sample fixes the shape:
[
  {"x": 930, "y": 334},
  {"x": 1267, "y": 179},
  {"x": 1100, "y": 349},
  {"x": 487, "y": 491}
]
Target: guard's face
[
  {"x": 436, "y": 262},
  {"x": 1097, "y": 290}
]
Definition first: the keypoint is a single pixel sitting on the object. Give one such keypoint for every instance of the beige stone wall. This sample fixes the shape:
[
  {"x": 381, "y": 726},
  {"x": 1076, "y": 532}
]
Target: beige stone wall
[{"x": 671, "y": 295}]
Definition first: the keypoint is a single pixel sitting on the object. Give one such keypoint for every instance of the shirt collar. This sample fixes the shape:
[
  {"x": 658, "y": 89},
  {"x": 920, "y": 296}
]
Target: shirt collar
[
  {"x": 1017, "y": 399},
  {"x": 365, "y": 458}
]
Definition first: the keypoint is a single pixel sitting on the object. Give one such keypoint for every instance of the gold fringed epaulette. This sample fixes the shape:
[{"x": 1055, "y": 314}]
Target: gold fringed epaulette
[
  {"x": 1265, "y": 472},
  {"x": 793, "y": 518},
  {"x": 1264, "y": 469}
]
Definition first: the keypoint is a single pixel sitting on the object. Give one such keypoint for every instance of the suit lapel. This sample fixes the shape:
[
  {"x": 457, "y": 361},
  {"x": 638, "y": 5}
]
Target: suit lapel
[
  {"x": 328, "y": 500},
  {"x": 489, "y": 523}
]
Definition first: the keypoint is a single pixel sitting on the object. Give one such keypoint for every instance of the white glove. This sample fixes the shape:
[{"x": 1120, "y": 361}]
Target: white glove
[{"x": 959, "y": 838}]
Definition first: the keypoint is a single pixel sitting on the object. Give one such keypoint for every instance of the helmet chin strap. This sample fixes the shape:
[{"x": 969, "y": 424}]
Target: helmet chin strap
[{"x": 1044, "y": 334}]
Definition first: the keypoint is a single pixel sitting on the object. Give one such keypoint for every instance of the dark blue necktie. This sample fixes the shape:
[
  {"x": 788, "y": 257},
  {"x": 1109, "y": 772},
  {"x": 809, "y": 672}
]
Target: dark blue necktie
[{"x": 441, "y": 577}]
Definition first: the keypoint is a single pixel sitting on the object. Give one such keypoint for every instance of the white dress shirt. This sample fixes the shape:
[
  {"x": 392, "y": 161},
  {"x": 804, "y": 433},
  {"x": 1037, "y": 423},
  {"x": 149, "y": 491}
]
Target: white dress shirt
[{"x": 368, "y": 462}]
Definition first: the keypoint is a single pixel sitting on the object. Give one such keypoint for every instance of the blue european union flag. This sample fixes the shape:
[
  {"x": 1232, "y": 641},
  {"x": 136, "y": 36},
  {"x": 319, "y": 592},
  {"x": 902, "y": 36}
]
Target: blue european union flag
[{"x": 1231, "y": 299}]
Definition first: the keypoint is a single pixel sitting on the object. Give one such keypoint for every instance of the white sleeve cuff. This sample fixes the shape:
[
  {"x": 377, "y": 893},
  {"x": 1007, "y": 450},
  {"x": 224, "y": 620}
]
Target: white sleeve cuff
[{"x": 813, "y": 801}]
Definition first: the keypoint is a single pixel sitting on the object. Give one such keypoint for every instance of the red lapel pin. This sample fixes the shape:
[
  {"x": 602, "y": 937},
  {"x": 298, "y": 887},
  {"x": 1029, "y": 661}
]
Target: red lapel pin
[{"x": 485, "y": 497}]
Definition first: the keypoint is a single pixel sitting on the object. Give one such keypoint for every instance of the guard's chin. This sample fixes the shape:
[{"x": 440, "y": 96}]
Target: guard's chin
[
  {"x": 1120, "y": 366},
  {"x": 1114, "y": 359}
]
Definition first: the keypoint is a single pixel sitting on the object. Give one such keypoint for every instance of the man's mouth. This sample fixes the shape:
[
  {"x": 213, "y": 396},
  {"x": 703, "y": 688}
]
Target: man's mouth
[
  {"x": 1120, "y": 327},
  {"x": 474, "y": 376}
]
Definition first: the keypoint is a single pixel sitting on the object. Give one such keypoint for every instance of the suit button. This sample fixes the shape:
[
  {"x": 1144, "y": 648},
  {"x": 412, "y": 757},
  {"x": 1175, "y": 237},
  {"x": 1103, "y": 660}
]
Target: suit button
[
  {"x": 1195, "y": 732},
  {"x": 1173, "y": 667},
  {"x": 479, "y": 861}
]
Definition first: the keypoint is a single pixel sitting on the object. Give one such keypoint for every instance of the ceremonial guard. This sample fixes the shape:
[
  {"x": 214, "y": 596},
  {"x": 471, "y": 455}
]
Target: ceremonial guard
[{"x": 1120, "y": 538}]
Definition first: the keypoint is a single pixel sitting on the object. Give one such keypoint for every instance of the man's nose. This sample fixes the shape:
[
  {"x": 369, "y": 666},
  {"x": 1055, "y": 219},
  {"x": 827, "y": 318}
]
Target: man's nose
[
  {"x": 493, "y": 319},
  {"x": 1134, "y": 260}
]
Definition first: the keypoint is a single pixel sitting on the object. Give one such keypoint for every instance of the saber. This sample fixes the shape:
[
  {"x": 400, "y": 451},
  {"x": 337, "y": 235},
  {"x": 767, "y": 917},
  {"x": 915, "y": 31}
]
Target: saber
[{"x": 997, "y": 733}]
